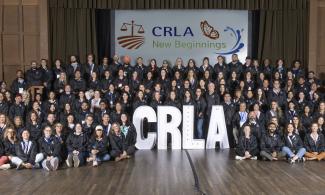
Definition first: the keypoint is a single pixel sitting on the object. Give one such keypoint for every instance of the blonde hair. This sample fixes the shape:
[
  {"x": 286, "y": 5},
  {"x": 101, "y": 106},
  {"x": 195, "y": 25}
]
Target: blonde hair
[
  {"x": 5, "y": 134},
  {"x": 115, "y": 123},
  {"x": 26, "y": 97}
]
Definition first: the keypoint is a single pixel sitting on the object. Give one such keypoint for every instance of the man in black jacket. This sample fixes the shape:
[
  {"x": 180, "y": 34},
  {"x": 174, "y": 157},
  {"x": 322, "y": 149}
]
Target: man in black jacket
[
  {"x": 19, "y": 84},
  {"x": 34, "y": 75},
  {"x": 271, "y": 144},
  {"x": 78, "y": 83},
  {"x": 212, "y": 98},
  {"x": 17, "y": 109},
  {"x": 229, "y": 109},
  {"x": 276, "y": 94},
  {"x": 26, "y": 153},
  {"x": 50, "y": 148}
]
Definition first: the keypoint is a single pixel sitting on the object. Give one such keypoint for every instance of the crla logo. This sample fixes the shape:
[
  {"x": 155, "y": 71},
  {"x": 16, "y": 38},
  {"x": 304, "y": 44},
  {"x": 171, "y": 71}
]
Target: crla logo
[{"x": 133, "y": 40}]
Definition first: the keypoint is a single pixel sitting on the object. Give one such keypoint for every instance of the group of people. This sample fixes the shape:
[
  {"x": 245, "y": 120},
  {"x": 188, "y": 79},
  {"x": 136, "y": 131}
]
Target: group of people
[{"x": 85, "y": 111}]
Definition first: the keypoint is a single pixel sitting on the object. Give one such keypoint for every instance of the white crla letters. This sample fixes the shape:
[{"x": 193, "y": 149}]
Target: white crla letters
[
  {"x": 217, "y": 128},
  {"x": 138, "y": 116}
]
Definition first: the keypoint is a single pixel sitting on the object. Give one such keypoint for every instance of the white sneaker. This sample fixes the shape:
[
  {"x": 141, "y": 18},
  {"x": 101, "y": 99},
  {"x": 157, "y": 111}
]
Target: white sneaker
[
  {"x": 254, "y": 158},
  {"x": 95, "y": 163},
  {"x": 5, "y": 167},
  {"x": 239, "y": 158}
]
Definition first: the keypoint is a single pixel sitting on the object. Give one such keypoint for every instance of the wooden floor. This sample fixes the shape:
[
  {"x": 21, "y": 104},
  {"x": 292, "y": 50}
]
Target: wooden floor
[{"x": 170, "y": 172}]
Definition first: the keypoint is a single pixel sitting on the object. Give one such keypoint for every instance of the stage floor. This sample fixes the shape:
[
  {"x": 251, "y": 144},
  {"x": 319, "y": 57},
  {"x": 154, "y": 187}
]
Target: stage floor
[{"x": 170, "y": 172}]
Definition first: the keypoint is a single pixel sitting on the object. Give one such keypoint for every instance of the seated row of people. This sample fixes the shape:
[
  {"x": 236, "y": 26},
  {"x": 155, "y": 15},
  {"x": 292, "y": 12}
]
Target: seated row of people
[
  {"x": 272, "y": 147},
  {"x": 54, "y": 147}
]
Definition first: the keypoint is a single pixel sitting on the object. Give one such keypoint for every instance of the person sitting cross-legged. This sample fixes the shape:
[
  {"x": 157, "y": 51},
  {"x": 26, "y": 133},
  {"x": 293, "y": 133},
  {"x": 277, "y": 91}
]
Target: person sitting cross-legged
[
  {"x": 294, "y": 148},
  {"x": 247, "y": 145},
  {"x": 98, "y": 147},
  {"x": 315, "y": 144},
  {"x": 26, "y": 153},
  {"x": 271, "y": 144}
]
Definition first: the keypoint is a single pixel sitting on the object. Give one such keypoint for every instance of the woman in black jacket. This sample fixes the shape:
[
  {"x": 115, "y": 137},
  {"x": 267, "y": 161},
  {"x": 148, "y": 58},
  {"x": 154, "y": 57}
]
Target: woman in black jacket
[
  {"x": 26, "y": 153},
  {"x": 200, "y": 108},
  {"x": 77, "y": 147},
  {"x": 34, "y": 126},
  {"x": 247, "y": 145},
  {"x": 123, "y": 145},
  {"x": 293, "y": 145},
  {"x": 98, "y": 147},
  {"x": 315, "y": 144},
  {"x": 9, "y": 142},
  {"x": 50, "y": 148}
]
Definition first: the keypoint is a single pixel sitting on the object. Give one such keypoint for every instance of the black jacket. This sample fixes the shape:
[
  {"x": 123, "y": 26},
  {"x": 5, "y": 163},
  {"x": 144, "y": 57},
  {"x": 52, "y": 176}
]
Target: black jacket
[
  {"x": 9, "y": 148},
  {"x": 249, "y": 145},
  {"x": 16, "y": 110},
  {"x": 4, "y": 108},
  {"x": 229, "y": 110},
  {"x": 29, "y": 157},
  {"x": 34, "y": 77},
  {"x": 295, "y": 144},
  {"x": 211, "y": 99},
  {"x": 50, "y": 147},
  {"x": 200, "y": 107},
  {"x": 35, "y": 131},
  {"x": 118, "y": 143},
  {"x": 271, "y": 143},
  {"x": 77, "y": 142},
  {"x": 318, "y": 146},
  {"x": 78, "y": 85},
  {"x": 100, "y": 145},
  {"x": 15, "y": 85}
]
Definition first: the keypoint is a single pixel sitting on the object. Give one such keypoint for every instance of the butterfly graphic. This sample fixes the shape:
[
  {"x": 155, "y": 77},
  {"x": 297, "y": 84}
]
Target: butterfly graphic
[{"x": 208, "y": 30}]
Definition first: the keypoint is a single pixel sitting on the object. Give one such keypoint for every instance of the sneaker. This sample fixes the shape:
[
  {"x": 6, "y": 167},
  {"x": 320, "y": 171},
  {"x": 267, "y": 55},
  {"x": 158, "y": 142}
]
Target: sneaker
[
  {"x": 291, "y": 161},
  {"x": 301, "y": 160},
  {"x": 19, "y": 167},
  {"x": 254, "y": 158},
  {"x": 5, "y": 167},
  {"x": 54, "y": 164},
  {"x": 239, "y": 158},
  {"x": 69, "y": 161},
  {"x": 76, "y": 161},
  {"x": 95, "y": 163}
]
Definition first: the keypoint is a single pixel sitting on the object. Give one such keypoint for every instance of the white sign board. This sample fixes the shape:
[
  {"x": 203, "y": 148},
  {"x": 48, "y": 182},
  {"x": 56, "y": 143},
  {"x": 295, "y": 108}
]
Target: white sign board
[{"x": 169, "y": 34}]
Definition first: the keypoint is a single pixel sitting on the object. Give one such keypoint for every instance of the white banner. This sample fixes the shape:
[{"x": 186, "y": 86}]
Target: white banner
[{"x": 169, "y": 34}]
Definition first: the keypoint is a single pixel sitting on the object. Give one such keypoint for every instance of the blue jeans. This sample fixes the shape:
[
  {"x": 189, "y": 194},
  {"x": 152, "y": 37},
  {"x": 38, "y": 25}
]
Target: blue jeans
[
  {"x": 101, "y": 158},
  {"x": 301, "y": 152},
  {"x": 199, "y": 128}
]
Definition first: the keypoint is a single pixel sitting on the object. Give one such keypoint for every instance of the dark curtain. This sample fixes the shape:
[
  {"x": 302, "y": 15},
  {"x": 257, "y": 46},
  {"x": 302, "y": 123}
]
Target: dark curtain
[
  {"x": 283, "y": 34},
  {"x": 103, "y": 19},
  {"x": 281, "y": 29},
  {"x": 72, "y": 32}
]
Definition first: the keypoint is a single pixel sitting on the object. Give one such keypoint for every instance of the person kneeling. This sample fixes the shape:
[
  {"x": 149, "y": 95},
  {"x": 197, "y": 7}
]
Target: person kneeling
[
  {"x": 98, "y": 147},
  {"x": 247, "y": 145},
  {"x": 293, "y": 146},
  {"x": 50, "y": 148},
  {"x": 121, "y": 149},
  {"x": 26, "y": 153},
  {"x": 271, "y": 144},
  {"x": 315, "y": 144},
  {"x": 77, "y": 146}
]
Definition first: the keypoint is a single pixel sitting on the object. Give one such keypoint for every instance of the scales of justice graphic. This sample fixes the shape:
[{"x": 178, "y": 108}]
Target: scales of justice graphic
[{"x": 131, "y": 41}]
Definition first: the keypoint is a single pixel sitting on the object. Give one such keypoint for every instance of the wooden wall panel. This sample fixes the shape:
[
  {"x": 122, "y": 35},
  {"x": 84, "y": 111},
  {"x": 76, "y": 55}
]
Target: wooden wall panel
[
  {"x": 31, "y": 19},
  {"x": 10, "y": 72},
  {"x": 31, "y": 48},
  {"x": 11, "y": 51},
  {"x": 23, "y": 35},
  {"x": 10, "y": 19}
]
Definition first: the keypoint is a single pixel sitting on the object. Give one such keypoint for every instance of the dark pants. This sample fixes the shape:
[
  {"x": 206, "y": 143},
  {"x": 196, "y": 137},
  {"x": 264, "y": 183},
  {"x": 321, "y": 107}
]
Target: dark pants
[{"x": 116, "y": 153}]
